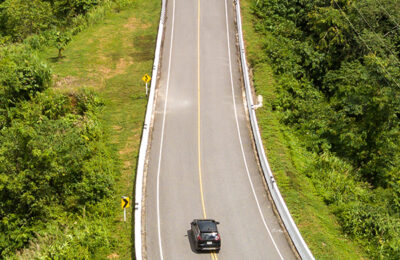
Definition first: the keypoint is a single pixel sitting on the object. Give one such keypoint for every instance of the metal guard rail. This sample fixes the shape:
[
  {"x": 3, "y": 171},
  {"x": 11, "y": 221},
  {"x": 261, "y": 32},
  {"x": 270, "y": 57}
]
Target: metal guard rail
[
  {"x": 145, "y": 138},
  {"x": 280, "y": 204}
]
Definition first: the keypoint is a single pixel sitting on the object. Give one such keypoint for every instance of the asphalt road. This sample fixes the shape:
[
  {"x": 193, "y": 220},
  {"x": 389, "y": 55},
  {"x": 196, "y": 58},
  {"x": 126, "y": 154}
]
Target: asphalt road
[{"x": 201, "y": 161}]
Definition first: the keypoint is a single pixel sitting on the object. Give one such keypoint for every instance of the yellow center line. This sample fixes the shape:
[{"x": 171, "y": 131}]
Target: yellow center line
[
  {"x": 213, "y": 255},
  {"x": 198, "y": 110}
]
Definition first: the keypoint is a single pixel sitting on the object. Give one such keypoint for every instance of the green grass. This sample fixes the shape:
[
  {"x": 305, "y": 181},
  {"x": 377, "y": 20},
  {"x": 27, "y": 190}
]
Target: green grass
[
  {"x": 290, "y": 162},
  {"x": 111, "y": 58}
]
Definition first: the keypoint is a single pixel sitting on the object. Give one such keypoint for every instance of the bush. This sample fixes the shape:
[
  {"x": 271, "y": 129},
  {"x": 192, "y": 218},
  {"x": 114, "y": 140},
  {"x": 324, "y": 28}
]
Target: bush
[
  {"x": 21, "y": 18},
  {"x": 22, "y": 76},
  {"x": 51, "y": 157},
  {"x": 84, "y": 239}
]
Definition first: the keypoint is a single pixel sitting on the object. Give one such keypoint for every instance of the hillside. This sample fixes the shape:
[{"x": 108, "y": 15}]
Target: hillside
[
  {"x": 330, "y": 72},
  {"x": 71, "y": 110}
]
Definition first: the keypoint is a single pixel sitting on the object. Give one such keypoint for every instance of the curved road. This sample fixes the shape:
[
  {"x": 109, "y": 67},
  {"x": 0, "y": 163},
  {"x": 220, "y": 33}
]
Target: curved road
[{"x": 201, "y": 161}]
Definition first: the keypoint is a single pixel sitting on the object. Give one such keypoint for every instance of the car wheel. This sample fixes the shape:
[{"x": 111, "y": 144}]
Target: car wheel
[{"x": 217, "y": 251}]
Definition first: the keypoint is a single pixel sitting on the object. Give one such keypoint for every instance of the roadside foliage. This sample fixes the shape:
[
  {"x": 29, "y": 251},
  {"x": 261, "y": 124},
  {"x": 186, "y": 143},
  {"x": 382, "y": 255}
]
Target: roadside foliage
[
  {"x": 54, "y": 162},
  {"x": 337, "y": 66},
  {"x": 57, "y": 172}
]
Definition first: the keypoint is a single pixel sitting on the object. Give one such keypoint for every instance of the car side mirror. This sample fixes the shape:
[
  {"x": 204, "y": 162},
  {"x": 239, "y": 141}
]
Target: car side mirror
[
  {"x": 194, "y": 223},
  {"x": 216, "y": 222}
]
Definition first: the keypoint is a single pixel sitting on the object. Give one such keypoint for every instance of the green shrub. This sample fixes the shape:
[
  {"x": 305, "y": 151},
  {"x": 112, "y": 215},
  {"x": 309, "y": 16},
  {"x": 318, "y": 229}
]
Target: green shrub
[
  {"x": 84, "y": 239},
  {"x": 22, "y": 76},
  {"x": 21, "y": 18},
  {"x": 51, "y": 157}
]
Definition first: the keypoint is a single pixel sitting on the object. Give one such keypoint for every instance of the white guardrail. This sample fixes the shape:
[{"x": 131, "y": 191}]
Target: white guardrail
[
  {"x": 280, "y": 204},
  {"x": 145, "y": 138}
]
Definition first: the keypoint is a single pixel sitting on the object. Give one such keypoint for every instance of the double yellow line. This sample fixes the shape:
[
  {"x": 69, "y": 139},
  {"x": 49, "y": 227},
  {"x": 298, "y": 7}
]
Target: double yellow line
[{"x": 213, "y": 255}]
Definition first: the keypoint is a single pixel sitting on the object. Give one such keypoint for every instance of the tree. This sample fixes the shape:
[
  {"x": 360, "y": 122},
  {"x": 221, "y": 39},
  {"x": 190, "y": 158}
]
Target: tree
[{"x": 61, "y": 41}]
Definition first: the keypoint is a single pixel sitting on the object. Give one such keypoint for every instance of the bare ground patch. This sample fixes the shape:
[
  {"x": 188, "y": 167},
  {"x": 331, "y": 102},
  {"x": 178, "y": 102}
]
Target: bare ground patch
[
  {"x": 117, "y": 127},
  {"x": 134, "y": 23},
  {"x": 105, "y": 72},
  {"x": 123, "y": 64},
  {"x": 127, "y": 165},
  {"x": 113, "y": 256},
  {"x": 65, "y": 83},
  {"x": 129, "y": 146}
]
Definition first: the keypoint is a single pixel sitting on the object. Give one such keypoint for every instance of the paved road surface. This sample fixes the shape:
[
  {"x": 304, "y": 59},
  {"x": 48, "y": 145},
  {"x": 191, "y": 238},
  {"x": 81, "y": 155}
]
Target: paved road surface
[{"x": 201, "y": 160}]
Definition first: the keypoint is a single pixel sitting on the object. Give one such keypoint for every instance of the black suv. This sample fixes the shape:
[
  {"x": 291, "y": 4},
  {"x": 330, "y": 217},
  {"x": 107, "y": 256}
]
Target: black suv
[{"x": 205, "y": 234}]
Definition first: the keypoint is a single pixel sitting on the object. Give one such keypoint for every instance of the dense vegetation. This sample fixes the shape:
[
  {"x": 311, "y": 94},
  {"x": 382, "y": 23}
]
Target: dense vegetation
[
  {"x": 21, "y": 18},
  {"x": 337, "y": 66},
  {"x": 57, "y": 174}
]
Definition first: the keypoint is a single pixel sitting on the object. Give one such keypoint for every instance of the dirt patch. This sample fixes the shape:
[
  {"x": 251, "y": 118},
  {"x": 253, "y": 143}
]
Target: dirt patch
[
  {"x": 71, "y": 83},
  {"x": 104, "y": 71},
  {"x": 129, "y": 146},
  {"x": 134, "y": 23},
  {"x": 127, "y": 150},
  {"x": 113, "y": 256},
  {"x": 117, "y": 127},
  {"x": 68, "y": 82},
  {"x": 122, "y": 65},
  {"x": 120, "y": 68},
  {"x": 127, "y": 165}
]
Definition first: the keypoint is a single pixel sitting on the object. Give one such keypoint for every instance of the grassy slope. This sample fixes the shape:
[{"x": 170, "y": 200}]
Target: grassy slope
[
  {"x": 111, "y": 57},
  {"x": 289, "y": 162}
]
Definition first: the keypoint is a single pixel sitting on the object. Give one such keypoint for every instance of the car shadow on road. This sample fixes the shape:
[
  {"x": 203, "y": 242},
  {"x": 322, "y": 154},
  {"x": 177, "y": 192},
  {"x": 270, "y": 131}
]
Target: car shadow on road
[{"x": 191, "y": 242}]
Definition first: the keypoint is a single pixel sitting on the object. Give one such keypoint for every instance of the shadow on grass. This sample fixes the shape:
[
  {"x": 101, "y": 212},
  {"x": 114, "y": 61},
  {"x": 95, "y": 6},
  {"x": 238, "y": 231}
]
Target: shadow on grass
[
  {"x": 142, "y": 43},
  {"x": 55, "y": 59},
  {"x": 139, "y": 96}
]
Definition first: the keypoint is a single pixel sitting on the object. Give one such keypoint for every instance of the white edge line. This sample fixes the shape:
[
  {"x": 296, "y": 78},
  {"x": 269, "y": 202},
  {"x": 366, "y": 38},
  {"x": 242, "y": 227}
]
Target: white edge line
[
  {"x": 145, "y": 139},
  {"x": 287, "y": 219},
  {"x": 162, "y": 132},
  {"x": 240, "y": 138}
]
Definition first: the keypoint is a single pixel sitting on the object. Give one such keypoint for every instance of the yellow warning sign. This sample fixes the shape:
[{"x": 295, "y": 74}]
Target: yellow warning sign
[
  {"x": 146, "y": 78},
  {"x": 124, "y": 202}
]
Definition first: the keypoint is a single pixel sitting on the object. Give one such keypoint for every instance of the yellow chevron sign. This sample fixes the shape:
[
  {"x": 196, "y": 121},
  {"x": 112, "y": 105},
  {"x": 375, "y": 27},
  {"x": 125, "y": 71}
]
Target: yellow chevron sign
[
  {"x": 124, "y": 202},
  {"x": 146, "y": 78}
]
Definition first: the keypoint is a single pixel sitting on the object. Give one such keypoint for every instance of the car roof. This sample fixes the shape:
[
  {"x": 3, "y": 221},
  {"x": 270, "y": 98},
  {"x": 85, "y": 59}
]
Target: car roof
[{"x": 207, "y": 225}]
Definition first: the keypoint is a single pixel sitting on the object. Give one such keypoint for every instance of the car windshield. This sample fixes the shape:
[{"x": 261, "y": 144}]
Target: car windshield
[
  {"x": 207, "y": 226},
  {"x": 209, "y": 236}
]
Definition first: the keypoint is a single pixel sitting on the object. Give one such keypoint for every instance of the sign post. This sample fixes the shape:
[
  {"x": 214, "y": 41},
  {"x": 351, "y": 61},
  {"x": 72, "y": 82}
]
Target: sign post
[
  {"x": 124, "y": 205},
  {"x": 146, "y": 78}
]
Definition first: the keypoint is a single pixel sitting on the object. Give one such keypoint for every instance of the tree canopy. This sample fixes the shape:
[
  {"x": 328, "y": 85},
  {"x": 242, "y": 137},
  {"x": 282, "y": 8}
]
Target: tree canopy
[{"x": 337, "y": 63}]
